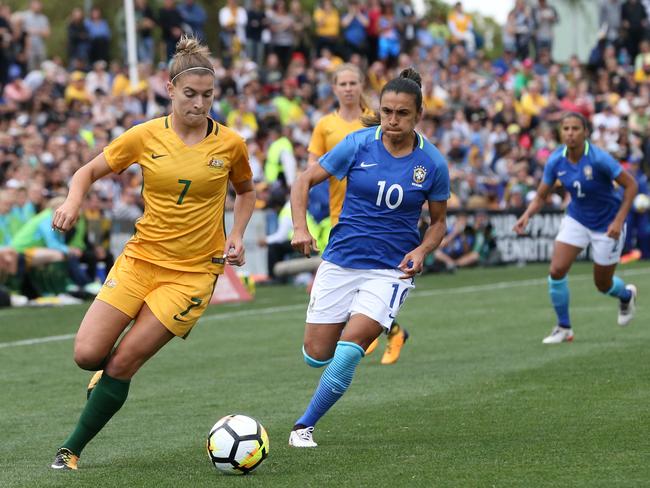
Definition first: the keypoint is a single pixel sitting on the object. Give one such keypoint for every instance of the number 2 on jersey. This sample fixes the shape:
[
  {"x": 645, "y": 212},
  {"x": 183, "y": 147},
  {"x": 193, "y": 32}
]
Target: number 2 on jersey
[
  {"x": 187, "y": 184},
  {"x": 391, "y": 202},
  {"x": 579, "y": 194}
]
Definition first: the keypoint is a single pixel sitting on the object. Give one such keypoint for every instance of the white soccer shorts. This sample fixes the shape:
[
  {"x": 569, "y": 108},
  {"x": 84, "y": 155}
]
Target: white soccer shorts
[
  {"x": 338, "y": 293},
  {"x": 605, "y": 251}
]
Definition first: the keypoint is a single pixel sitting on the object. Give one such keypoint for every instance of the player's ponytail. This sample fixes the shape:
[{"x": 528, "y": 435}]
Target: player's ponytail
[
  {"x": 190, "y": 56},
  {"x": 408, "y": 81}
]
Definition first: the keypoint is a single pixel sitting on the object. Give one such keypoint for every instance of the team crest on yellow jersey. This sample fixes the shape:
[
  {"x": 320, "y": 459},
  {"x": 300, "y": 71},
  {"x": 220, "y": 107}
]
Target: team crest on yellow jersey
[
  {"x": 589, "y": 172},
  {"x": 216, "y": 163},
  {"x": 419, "y": 174},
  {"x": 112, "y": 283}
]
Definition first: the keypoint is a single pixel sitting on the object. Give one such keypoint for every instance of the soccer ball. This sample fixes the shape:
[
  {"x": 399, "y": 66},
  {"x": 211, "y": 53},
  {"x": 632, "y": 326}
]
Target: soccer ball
[
  {"x": 641, "y": 203},
  {"x": 237, "y": 444}
]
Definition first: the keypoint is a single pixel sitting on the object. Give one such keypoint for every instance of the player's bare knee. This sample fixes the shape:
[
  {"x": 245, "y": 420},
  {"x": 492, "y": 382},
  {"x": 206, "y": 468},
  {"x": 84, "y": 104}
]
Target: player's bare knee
[
  {"x": 316, "y": 357},
  {"x": 603, "y": 286},
  {"x": 122, "y": 366},
  {"x": 87, "y": 358},
  {"x": 557, "y": 272}
]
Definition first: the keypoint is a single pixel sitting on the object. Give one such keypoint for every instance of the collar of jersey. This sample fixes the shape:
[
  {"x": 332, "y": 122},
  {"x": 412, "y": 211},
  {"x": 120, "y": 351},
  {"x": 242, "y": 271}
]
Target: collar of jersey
[
  {"x": 586, "y": 153},
  {"x": 420, "y": 138}
]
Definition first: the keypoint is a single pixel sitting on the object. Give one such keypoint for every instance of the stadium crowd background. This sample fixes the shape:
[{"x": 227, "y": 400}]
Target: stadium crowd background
[{"x": 492, "y": 117}]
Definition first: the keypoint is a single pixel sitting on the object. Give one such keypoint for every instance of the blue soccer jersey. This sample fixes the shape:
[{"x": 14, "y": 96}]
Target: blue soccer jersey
[
  {"x": 383, "y": 200},
  {"x": 594, "y": 200}
]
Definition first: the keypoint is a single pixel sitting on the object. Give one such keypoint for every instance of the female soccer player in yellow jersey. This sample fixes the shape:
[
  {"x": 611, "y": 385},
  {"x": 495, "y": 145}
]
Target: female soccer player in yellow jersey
[
  {"x": 347, "y": 84},
  {"x": 165, "y": 277}
]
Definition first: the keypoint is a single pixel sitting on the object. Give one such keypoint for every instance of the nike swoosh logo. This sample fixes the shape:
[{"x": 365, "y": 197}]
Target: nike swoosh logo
[
  {"x": 366, "y": 165},
  {"x": 561, "y": 173},
  {"x": 336, "y": 392},
  {"x": 391, "y": 316},
  {"x": 156, "y": 156},
  {"x": 178, "y": 320}
]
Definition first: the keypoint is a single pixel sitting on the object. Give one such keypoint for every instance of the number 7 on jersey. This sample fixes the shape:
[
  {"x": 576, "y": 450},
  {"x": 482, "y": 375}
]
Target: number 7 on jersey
[{"x": 187, "y": 184}]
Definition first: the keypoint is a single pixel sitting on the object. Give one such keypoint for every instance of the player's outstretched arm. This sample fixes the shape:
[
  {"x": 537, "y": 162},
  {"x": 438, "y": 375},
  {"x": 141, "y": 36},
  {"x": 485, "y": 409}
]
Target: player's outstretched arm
[
  {"x": 66, "y": 215},
  {"x": 303, "y": 241},
  {"x": 234, "y": 251},
  {"x": 535, "y": 206}
]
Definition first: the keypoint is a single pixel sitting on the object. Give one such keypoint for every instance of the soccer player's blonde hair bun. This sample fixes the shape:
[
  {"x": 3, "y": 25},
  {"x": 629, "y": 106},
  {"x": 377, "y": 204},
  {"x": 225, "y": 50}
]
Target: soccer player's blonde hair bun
[
  {"x": 190, "y": 55},
  {"x": 188, "y": 45}
]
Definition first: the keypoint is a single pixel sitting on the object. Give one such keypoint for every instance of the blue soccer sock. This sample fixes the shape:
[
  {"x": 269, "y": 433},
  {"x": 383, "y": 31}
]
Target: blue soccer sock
[
  {"x": 333, "y": 383},
  {"x": 559, "y": 292},
  {"x": 619, "y": 291}
]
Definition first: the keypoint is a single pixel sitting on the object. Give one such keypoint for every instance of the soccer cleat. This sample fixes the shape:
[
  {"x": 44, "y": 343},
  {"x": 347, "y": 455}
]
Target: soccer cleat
[
  {"x": 626, "y": 310},
  {"x": 373, "y": 345},
  {"x": 396, "y": 340},
  {"x": 65, "y": 459},
  {"x": 559, "y": 335},
  {"x": 93, "y": 382},
  {"x": 302, "y": 438}
]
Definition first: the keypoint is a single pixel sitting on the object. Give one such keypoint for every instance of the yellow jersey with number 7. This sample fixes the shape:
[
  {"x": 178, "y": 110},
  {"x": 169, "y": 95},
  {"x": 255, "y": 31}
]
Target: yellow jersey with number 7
[{"x": 184, "y": 191}]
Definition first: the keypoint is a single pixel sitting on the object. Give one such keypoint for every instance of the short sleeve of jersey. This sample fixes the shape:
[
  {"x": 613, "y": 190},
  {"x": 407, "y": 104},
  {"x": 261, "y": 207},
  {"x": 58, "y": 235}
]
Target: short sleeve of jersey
[
  {"x": 126, "y": 149},
  {"x": 340, "y": 159},
  {"x": 550, "y": 174},
  {"x": 609, "y": 165},
  {"x": 440, "y": 188},
  {"x": 241, "y": 168},
  {"x": 317, "y": 142}
]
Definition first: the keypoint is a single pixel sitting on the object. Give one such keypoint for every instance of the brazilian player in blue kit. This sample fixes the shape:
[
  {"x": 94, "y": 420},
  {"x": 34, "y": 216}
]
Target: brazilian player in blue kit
[
  {"x": 374, "y": 251},
  {"x": 596, "y": 216}
]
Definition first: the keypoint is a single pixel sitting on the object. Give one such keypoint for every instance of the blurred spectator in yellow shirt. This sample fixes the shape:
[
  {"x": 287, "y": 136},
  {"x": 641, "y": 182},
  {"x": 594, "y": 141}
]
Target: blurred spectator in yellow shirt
[
  {"x": 327, "y": 26},
  {"x": 532, "y": 101},
  {"x": 76, "y": 89}
]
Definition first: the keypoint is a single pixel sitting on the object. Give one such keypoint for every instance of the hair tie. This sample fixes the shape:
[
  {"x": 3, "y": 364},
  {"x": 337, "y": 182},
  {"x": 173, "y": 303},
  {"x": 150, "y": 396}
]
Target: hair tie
[{"x": 194, "y": 68}]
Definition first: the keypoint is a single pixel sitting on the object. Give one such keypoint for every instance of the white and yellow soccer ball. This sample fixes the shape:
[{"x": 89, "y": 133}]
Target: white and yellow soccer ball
[
  {"x": 237, "y": 444},
  {"x": 641, "y": 203}
]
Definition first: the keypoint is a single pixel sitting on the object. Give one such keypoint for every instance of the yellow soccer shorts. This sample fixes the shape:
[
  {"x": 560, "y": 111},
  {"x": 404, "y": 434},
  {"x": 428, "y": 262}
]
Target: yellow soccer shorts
[{"x": 176, "y": 298}]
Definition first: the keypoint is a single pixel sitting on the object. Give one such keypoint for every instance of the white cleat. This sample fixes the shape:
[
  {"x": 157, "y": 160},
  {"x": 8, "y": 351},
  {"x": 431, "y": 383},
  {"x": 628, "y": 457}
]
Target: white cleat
[
  {"x": 559, "y": 335},
  {"x": 626, "y": 310},
  {"x": 302, "y": 438}
]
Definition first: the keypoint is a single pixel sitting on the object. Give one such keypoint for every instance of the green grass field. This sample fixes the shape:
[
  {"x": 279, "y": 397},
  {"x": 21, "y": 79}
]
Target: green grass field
[{"x": 475, "y": 401}]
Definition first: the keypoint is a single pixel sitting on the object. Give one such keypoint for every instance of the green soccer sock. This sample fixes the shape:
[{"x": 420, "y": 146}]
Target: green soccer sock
[{"x": 106, "y": 399}]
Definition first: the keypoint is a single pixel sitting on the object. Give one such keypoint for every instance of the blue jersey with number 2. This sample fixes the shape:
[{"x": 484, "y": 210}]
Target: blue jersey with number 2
[
  {"x": 383, "y": 200},
  {"x": 594, "y": 200}
]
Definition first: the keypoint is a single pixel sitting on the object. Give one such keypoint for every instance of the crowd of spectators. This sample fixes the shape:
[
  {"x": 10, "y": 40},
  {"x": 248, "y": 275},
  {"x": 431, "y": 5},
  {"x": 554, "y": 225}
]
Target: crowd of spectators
[{"x": 493, "y": 118}]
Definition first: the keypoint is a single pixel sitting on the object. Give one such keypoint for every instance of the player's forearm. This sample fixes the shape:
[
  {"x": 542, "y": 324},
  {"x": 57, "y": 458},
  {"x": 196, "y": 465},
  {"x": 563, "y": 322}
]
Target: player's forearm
[
  {"x": 535, "y": 206},
  {"x": 299, "y": 199},
  {"x": 629, "y": 193},
  {"x": 433, "y": 237},
  {"x": 80, "y": 184},
  {"x": 244, "y": 206}
]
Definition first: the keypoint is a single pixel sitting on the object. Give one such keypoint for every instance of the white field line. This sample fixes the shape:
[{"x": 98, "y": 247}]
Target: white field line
[{"x": 500, "y": 285}]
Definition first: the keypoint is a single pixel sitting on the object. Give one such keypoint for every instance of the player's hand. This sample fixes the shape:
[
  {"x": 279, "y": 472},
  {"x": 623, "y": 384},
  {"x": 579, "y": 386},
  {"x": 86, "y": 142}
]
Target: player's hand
[
  {"x": 75, "y": 251},
  {"x": 303, "y": 242},
  {"x": 234, "y": 253},
  {"x": 614, "y": 230},
  {"x": 520, "y": 226},
  {"x": 65, "y": 216},
  {"x": 411, "y": 264}
]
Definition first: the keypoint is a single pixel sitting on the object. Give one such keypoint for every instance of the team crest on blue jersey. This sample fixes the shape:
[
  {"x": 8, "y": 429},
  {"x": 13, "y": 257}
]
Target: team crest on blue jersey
[
  {"x": 419, "y": 174},
  {"x": 589, "y": 172},
  {"x": 216, "y": 163}
]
